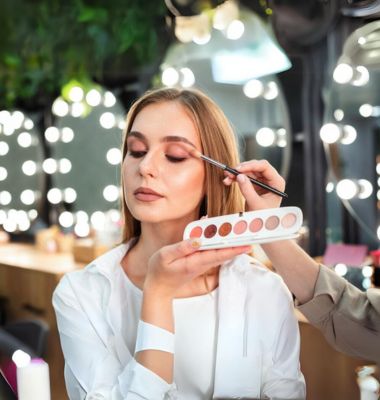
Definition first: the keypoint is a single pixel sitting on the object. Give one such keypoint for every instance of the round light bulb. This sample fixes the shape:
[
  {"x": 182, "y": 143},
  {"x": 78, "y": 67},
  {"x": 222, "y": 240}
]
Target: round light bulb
[
  {"x": 76, "y": 94},
  {"x": 343, "y": 73},
  {"x": 27, "y": 197},
  {"x": 109, "y": 99},
  {"x": 3, "y": 174},
  {"x": 170, "y": 76},
  {"x": 347, "y": 189},
  {"x": 52, "y": 134},
  {"x": 67, "y": 135},
  {"x": 69, "y": 195},
  {"x": 60, "y": 107},
  {"x": 4, "y": 148},
  {"x": 107, "y": 120},
  {"x": 188, "y": 78},
  {"x": 5, "y": 197},
  {"x": 114, "y": 156},
  {"x": 253, "y": 88},
  {"x": 66, "y": 219},
  {"x": 265, "y": 137},
  {"x": 330, "y": 133},
  {"x": 29, "y": 167},
  {"x": 54, "y": 196},
  {"x": 111, "y": 193},
  {"x": 93, "y": 98},
  {"x": 365, "y": 110},
  {"x": 235, "y": 30},
  {"x": 50, "y": 166}
]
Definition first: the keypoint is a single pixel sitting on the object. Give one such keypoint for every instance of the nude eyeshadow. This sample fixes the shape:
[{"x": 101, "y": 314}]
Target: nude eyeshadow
[
  {"x": 256, "y": 225},
  {"x": 240, "y": 227},
  {"x": 272, "y": 222},
  {"x": 288, "y": 220}
]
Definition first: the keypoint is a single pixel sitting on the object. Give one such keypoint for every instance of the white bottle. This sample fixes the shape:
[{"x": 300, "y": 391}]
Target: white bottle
[
  {"x": 368, "y": 385},
  {"x": 33, "y": 381}
]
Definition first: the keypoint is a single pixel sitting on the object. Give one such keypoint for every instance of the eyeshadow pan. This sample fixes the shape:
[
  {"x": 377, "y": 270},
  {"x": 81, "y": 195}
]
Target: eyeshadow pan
[
  {"x": 196, "y": 232},
  {"x": 272, "y": 222},
  {"x": 256, "y": 224},
  {"x": 240, "y": 227},
  {"x": 225, "y": 229},
  {"x": 210, "y": 231},
  {"x": 288, "y": 220}
]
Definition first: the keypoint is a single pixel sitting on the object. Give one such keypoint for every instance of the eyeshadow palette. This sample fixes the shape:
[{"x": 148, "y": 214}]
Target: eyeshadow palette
[{"x": 246, "y": 228}]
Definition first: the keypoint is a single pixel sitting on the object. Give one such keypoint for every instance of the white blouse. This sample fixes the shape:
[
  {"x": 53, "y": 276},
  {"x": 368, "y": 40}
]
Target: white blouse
[{"x": 240, "y": 341}]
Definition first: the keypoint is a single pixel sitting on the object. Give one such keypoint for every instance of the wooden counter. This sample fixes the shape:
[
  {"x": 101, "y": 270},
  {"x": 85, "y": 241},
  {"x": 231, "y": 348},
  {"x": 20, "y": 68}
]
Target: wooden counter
[{"x": 28, "y": 278}]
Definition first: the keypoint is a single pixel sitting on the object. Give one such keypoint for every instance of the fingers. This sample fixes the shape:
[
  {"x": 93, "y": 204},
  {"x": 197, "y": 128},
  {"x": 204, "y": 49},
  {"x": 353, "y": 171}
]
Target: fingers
[
  {"x": 201, "y": 261},
  {"x": 169, "y": 254}
]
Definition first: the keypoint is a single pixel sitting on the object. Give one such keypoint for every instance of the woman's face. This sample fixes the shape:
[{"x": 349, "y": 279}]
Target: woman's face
[{"x": 162, "y": 182}]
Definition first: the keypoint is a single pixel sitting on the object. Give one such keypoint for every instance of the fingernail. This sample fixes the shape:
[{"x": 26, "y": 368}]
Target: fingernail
[
  {"x": 195, "y": 243},
  {"x": 238, "y": 167}
]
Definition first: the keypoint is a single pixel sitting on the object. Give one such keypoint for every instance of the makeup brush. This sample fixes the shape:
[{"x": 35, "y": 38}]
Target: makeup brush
[{"x": 197, "y": 154}]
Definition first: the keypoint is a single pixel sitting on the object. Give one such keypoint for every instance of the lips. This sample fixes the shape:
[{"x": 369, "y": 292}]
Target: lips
[{"x": 146, "y": 194}]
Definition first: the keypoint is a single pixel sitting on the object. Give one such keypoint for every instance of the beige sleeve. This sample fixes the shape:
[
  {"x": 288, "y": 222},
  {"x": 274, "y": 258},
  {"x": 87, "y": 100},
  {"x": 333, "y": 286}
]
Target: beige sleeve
[{"x": 348, "y": 317}]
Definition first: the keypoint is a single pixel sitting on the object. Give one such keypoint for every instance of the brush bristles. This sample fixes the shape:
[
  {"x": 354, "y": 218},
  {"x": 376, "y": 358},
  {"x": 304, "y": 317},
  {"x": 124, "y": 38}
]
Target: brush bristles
[{"x": 195, "y": 153}]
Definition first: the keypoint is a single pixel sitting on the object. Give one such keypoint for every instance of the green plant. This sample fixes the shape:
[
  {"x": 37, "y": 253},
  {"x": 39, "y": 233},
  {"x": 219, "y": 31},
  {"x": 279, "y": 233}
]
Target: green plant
[{"x": 46, "y": 43}]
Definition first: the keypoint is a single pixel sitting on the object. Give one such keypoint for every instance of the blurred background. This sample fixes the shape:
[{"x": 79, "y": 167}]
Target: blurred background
[{"x": 299, "y": 81}]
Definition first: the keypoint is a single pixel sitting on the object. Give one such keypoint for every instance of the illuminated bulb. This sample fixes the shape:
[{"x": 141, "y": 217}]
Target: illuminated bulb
[
  {"x": 378, "y": 169},
  {"x": 24, "y": 139},
  {"x": 114, "y": 156},
  {"x": 77, "y": 110},
  {"x": 54, "y": 196},
  {"x": 67, "y": 135},
  {"x": 367, "y": 271},
  {"x": 271, "y": 91},
  {"x": 341, "y": 269},
  {"x": 33, "y": 214},
  {"x": 107, "y": 120},
  {"x": 225, "y": 14},
  {"x": 114, "y": 215},
  {"x": 202, "y": 39},
  {"x": 378, "y": 181},
  {"x": 76, "y": 94},
  {"x": 27, "y": 197},
  {"x": 343, "y": 73},
  {"x": 170, "y": 76},
  {"x": 253, "y": 88},
  {"x": 346, "y": 189},
  {"x": 188, "y": 78},
  {"x": 17, "y": 119},
  {"x": 60, "y": 107},
  {"x": 3, "y": 174},
  {"x": 82, "y": 216},
  {"x": 366, "y": 189},
  {"x": 378, "y": 195},
  {"x": 365, "y": 110},
  {"x": 5, "y": 117},
  {"x": 64, "y": 166},
  {"x": 329, "y": 187},
  {"x": 29, "y": 167},
  {"x": 10, "y": 225},
  {"x": 82, "y": 229},
  {"x": 52, "y": 134},
  {"x": 235, "y": 30},
  {"x": 98, "y": 220},
  {"x": 69, "y": 195},
  {"x": 28, "y": 124},
  {"x": 349, "y": 134},
  {"x": 109, "y": 99},
  {"x": 93, "y": 98},
  {"x": 20, "y": 358},
  {"x": 5, "y": 198},
  {"x": 265, "y": 137},
  {"x": 330, "y": 133},
  {"x": 338, "y": 114},
  {"x": 3, "y": 216},
  {"x": 66, "y": 219},
  {"x": 4, "y": 148},
  {"x": 49, "y": 166},
  {"x": 23, "y": 225},
  {"x": 8, "y": 130},
  {"x": 378, "y": 232},
  {"x": 111, "y": 193},
  {"x": 361, "y": 76},
  {"x": 121, "y": 125}
]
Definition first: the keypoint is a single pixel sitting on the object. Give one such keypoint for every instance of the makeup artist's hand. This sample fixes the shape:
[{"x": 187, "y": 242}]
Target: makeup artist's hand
[
  {"x": 175, "y": 265},
  {"x": 256, "y": 197}
]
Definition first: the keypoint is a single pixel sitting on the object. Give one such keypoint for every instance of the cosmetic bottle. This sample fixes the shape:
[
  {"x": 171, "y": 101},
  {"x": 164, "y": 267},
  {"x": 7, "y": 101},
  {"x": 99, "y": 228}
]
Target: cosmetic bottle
[
  {"x": 368, "y": 385},
  {"x": 375, "y": 255},
  {"x": 33, "y": 380}
]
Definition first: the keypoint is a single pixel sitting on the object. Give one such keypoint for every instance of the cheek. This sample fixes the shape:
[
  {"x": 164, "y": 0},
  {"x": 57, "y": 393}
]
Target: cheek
[{"x": 189, "y": 181}]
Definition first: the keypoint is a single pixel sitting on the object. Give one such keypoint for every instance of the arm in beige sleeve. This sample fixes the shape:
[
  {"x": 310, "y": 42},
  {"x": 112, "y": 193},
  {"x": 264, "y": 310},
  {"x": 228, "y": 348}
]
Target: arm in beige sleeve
[{"x": 348, "y": 317}]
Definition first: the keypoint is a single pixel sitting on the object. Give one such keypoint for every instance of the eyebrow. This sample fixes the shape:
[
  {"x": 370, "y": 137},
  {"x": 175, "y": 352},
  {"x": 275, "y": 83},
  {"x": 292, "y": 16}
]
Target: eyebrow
[{"x": 170, "y": 138}]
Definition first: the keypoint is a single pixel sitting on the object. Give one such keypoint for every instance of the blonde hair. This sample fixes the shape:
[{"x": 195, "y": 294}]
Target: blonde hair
[{"x": 217, "y": 140}]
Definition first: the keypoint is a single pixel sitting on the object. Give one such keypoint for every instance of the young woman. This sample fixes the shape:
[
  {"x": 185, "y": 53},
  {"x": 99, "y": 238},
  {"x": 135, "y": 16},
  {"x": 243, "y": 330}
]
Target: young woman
[{"x": 155, "y": 318}]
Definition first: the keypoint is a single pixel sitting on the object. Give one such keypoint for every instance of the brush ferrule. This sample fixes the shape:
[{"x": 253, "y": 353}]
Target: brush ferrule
[{"x": 211, "y": 161}]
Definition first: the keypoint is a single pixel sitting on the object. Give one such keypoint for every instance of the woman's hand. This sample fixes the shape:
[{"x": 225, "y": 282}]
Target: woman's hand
[
  {"x": 175, "y": 265},
  {"x": 256, "y": 197}
]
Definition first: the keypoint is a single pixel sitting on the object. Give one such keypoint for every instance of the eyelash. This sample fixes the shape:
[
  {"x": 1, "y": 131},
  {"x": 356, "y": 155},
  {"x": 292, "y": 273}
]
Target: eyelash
[{"x": 139, "y": 154}]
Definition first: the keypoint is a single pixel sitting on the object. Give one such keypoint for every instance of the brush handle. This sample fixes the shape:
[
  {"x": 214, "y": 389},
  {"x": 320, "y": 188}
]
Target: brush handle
[{"x": 256, "y": 182}]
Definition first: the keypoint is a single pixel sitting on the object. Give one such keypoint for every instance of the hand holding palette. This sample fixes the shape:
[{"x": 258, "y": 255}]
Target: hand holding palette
[{"x": 246, "y": 228}]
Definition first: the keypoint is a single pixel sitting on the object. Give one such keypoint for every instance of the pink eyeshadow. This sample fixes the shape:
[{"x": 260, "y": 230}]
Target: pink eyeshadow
[
  {"x": 210, "y": 231},
  {"x": 272, "y": 223},
  {"x": 288, "y": 220},
  {"x": 196, "y": 232},
  {"x": 240, "y": 227},
  {"x": 256, "y": 224}
]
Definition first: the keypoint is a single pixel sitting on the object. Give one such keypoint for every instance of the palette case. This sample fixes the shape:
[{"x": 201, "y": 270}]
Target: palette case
[{"x": 245, "y": 228}]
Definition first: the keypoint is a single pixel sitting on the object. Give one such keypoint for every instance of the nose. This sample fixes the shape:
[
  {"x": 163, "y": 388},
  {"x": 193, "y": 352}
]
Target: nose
[{"x": 149, "y": 165}]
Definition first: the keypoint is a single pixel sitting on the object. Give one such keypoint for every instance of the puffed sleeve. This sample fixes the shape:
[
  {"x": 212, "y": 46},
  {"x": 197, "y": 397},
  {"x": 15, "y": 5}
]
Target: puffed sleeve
[
  {"x": 283, "y": 378},
  {"x": 93, "y": 370}
]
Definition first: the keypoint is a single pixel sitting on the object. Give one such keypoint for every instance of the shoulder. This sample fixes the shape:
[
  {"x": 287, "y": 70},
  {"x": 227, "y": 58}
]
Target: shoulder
[{"x": 92, "y": 279}]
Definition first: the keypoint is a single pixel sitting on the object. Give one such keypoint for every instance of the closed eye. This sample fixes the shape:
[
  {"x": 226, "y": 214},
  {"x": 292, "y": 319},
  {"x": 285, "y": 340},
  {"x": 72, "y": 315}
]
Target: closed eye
[
  {"x": 137, "y": 154},
  {"x": 175, "y": 159}
]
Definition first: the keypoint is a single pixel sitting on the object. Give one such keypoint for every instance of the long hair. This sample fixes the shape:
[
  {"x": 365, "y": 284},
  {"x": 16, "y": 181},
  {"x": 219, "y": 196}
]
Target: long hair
[{"x": 217, "y": 140}]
